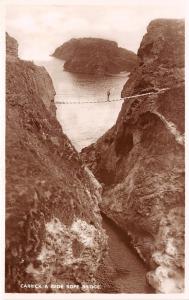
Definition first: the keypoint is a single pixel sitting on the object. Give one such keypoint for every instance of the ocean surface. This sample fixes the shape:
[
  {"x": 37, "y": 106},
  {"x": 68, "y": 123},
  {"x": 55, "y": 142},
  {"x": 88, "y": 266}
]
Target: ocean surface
[{"x": 84, "y": 123}]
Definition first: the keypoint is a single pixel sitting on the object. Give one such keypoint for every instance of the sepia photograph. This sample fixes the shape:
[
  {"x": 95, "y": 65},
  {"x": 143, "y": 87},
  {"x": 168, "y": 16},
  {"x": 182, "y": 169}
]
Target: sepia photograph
[{"x": 94, "y": 137}]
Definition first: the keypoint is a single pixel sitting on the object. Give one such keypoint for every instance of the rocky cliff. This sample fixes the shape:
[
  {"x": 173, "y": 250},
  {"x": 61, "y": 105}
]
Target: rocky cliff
[
  {"x": 140, "y": 160},
  {"x": 161, "y": 58},
  {"x": 53, "y": 225},
  {"x": 95, "y": 56}
]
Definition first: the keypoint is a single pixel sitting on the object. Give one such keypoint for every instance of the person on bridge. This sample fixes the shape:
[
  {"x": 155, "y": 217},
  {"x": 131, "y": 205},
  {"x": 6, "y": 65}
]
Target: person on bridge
[{"x": 108, "y": 95}]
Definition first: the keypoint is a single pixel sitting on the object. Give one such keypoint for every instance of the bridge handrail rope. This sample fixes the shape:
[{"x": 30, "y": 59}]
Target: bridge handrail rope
[{"x": 113, "y": 100}]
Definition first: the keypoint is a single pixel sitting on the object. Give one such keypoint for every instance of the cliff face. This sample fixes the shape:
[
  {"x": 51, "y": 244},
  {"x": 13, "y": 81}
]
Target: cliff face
[
  {"x": 53, "y": 225},
  {"x": 140, "y": 160},
  {"x": 95, "y": 56}
]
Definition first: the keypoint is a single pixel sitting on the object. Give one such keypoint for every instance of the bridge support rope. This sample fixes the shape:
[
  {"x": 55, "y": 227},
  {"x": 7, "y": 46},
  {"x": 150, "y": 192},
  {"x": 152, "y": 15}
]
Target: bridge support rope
[{"x": 159, "y": 91}]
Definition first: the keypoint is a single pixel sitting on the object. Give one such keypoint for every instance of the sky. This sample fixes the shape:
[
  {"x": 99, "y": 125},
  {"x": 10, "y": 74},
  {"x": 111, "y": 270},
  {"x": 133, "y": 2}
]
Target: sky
[{"x": 39, "y": 29}]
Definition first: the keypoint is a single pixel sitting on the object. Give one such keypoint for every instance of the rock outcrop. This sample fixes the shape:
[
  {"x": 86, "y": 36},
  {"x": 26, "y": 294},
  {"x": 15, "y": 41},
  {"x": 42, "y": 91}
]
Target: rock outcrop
[
  {"x": 11, "y": 48},
  {"x": 140, "y": 160},
  {"x": 95, "y": 56},
  {"x": 161, "y": 58},
  {"x": 53, "y": 225}
]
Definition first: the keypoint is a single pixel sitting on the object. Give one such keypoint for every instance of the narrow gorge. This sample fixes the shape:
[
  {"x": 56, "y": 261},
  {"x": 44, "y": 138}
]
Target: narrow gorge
[{"x": 109, "y": 219}]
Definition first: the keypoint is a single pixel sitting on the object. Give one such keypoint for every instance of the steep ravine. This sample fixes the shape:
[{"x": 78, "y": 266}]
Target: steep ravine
[{"x": 54, "y": 229}]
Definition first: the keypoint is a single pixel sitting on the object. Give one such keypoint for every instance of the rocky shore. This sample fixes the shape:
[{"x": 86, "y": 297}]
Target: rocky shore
[
  {"x": 140, "y": 160},
  {"x": 95, "y": 56}
]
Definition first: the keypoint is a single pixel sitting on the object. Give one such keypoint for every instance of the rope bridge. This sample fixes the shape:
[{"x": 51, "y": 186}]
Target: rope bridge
[{"x": 114, "y": 100}]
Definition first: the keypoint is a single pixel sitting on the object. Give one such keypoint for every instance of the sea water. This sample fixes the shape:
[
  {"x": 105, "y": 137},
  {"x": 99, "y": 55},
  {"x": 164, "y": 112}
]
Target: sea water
[{"x": 84, "y": 123}]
